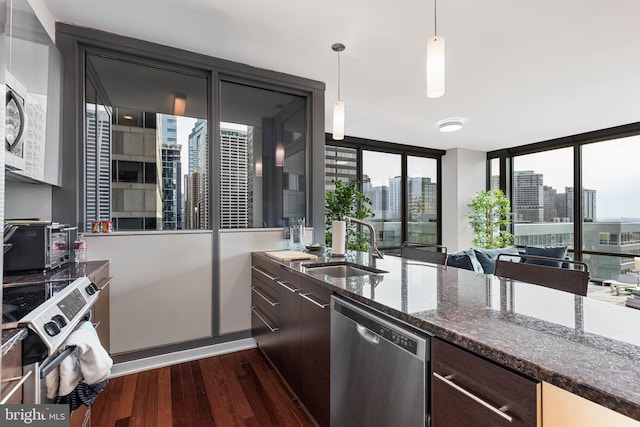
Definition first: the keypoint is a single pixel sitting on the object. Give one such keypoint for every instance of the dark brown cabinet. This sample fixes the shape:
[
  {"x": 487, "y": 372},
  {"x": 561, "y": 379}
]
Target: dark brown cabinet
[
  {"x": 265, "y": 312},
  {"x": 294, "y": 332},
  {"x": 467, "y": 390},
  {"x": 315, "y": 350}
]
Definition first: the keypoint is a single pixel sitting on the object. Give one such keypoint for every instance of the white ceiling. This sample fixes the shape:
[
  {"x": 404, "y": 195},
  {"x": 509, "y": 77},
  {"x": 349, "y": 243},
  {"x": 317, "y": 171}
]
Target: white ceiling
[{"x": 517, "y": 71}]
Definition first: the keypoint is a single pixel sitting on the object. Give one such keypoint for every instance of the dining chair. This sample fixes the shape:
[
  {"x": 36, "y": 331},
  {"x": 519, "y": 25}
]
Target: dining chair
[
  {"x": 562, "y": 274},
  {"x": 436, "y": 254}
]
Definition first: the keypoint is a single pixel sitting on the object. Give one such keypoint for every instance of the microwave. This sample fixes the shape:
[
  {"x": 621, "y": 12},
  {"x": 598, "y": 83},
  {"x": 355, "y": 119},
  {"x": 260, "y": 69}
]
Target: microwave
[{"x": 37, "y": 246}]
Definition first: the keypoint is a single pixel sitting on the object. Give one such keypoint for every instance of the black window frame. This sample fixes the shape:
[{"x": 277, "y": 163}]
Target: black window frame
[{"x": 364, "y": 144}]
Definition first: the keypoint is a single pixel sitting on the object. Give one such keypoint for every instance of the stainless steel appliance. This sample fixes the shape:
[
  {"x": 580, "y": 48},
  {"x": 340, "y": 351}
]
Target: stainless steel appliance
[
  {"x": 379, "y": 369},
  {"x": 15, "y": 121},
  {"x": 38, "y": 246},
  {"x": 50, "y": 311}
]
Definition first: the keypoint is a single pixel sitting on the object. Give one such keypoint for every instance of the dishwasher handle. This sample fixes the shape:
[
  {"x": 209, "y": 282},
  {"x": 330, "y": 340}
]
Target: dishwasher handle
[{"x": 367, "y": 334}]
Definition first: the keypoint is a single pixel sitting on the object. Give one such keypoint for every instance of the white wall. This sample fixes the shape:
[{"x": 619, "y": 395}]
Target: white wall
[
  {"x": 235, "y": 272},
  {"x": 463, "y": 174},
  {"x": 161, "y": 291},
  {"x": 27, "y": 201}
]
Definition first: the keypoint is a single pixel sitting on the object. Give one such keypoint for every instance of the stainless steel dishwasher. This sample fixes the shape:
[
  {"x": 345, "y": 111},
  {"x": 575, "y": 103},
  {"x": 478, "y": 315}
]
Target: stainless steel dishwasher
[{"x": 379, "y": 369}]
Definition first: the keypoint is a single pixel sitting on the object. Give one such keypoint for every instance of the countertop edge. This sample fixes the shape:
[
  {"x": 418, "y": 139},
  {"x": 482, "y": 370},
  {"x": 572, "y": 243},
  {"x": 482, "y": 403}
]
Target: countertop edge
[{"x": 495, "y": 355}]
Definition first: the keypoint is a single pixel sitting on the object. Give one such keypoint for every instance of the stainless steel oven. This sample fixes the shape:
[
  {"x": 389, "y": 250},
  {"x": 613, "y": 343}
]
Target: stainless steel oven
[{"x": 51, "y": 311}]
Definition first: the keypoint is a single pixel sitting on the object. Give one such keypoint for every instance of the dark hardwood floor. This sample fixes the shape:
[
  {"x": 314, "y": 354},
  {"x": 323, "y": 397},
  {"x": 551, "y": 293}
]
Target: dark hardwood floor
[{"x": 235, "y": 389}]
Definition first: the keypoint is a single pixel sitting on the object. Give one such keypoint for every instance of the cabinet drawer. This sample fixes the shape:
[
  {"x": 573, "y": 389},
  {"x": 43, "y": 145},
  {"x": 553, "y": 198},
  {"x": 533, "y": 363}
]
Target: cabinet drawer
[
  {"x": 266, "y": 305},
  {"x": 470, "y": 390},
  {"x": 266, "y": 266}
]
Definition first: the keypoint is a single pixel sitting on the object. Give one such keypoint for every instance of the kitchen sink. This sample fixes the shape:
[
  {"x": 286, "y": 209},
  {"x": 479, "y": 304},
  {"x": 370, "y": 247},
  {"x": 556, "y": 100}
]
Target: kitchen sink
[{"x": 341, "y": 269}]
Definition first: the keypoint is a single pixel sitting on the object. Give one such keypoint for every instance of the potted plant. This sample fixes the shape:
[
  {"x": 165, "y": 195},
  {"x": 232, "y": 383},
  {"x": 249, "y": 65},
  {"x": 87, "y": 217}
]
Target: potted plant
[
  {"x": 490, "y": 218},
  {"x": 347, "y": 200}
]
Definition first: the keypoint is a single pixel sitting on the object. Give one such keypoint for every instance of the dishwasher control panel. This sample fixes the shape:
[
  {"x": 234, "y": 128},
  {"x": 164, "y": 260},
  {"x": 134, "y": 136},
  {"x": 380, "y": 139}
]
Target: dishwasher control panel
[{"x": 380, "y": 328}]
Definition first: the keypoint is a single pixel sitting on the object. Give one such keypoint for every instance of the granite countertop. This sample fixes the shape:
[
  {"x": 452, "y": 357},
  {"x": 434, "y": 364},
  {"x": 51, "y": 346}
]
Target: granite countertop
[
  {"x": 65, "y": 272},
  {"x": 585, "y": 346}
]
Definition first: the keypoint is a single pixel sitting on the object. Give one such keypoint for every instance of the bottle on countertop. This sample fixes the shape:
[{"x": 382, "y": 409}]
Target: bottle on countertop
[{"x": 80, "y": 249}]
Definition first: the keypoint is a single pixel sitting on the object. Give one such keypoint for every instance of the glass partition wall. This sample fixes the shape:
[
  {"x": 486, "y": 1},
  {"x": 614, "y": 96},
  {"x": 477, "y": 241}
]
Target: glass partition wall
[{"x": 263, "y": 152}]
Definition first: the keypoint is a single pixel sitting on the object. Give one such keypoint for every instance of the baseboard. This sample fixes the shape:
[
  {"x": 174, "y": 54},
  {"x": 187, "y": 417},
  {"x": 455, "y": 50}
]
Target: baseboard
[{"x": 139, "y": 365}]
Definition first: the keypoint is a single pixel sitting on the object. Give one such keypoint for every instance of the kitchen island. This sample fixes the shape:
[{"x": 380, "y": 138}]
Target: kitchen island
[{"x": 587, "y": 347}]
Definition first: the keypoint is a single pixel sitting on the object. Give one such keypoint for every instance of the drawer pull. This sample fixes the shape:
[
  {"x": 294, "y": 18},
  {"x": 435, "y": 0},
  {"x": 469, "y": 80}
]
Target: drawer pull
[
  {"x": 290, "y": 289},
  {"x": 501, "y": 411},
  {"x": 264, "y": 297},
  {"x": 321, "y": 305},
  {"x": 264, "y": 321},
  {"x": 105, "y": 283},
  {"x": 264, "y": 274},
  {"x": 15, "y": 388}
]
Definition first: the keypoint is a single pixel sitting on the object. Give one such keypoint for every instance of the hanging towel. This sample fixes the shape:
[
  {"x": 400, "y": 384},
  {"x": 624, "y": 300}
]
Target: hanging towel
[
  {"x": 82, "y": 394},
  {"x": 89, "y": 362}
]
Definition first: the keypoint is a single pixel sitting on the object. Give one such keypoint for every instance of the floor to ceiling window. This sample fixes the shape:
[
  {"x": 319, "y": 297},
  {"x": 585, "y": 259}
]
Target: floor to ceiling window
[
  {"x": 542, "y": 198},
  {"x": 611, "y": 204},
  {"x": 599, "y": 222},
  {"x": 422, "y": 200},
  {"x": 401, "y": 181},
  {"x": 382, "y": 183}
]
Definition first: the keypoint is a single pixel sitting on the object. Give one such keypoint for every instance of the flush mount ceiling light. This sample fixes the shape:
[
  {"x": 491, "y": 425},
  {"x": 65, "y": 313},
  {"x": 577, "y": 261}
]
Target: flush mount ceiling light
[
  {"x": 338, "y": 108},
  {"x": 450, "y": 125},
  {"x": 435, "y": 60}
]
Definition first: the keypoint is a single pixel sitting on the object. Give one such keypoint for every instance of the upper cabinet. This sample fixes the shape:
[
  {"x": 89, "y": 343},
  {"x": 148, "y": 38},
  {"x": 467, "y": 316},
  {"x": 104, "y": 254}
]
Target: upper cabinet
[{"x": 33, "y": 79}]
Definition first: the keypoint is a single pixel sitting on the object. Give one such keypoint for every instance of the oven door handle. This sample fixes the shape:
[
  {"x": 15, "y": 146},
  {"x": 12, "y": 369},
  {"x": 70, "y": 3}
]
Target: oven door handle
[{"x": 44, "y": 371}]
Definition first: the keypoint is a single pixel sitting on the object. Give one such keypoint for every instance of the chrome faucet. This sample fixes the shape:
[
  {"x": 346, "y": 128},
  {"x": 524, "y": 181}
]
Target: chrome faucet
[{"x": 374, "y": 252}]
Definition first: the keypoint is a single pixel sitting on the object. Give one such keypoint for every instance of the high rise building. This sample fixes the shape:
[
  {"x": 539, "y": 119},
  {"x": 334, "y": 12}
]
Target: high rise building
[
  {"x": 171, "y": 187},
  {"x": 171, "y": 172},
  {"x": 341, "y": 163},
  {"x": 197, "y": 137},
  {"x": 528, "y": 197},
  {"x": 234, "y": 179},
  {"x": 98, "y": 164},
  {"x": 588, "y": 204}
]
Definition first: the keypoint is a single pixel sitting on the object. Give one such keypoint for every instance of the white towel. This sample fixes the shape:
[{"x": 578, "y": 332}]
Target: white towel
[{"x": 89, "y": 361}]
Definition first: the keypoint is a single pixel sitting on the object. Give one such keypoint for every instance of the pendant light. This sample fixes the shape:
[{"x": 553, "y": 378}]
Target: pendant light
[
  {"x": 338, "y": 108},
  {"x": 435, "y": 60}
]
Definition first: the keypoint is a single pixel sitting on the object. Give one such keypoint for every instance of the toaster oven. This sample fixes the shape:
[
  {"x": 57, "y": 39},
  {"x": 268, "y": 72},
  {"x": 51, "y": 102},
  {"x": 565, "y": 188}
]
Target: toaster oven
[{"x": 37, "y": 246}]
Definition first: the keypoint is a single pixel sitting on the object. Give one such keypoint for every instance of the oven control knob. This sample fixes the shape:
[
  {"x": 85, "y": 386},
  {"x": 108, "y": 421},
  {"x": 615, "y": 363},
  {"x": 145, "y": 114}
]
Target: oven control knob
[
  {"x": 90, "y": 290},
  {"x": 60, "y": 321},
  {"x": 51, "y": 329},
  {"x": 94, "y": 286}
]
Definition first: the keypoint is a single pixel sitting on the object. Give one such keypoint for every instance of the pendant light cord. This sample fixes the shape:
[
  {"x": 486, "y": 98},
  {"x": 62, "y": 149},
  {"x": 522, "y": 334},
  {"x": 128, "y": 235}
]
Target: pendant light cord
[
  {"x": 338, "y": 75},
  {"x": 435, "y": 17}
]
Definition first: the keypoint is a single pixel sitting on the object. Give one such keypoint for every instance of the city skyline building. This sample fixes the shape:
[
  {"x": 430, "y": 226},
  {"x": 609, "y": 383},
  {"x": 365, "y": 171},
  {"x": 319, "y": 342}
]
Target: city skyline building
[{"x": 234, "y": 179}]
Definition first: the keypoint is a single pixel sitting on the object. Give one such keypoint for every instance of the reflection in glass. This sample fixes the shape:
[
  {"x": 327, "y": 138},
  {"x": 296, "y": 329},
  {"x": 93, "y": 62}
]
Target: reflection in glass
[
  {"x": 263, "y": 140},
  {"x": 146, "y": 154}
]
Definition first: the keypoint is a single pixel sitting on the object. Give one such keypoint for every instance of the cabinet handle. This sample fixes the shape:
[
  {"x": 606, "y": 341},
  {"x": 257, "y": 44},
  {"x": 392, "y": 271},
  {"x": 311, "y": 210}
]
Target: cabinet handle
[
  {"x": 264, "y": 321},
  {"x": 321, "y": 305},
  {"x": 96, "y": 325},
  {"x": 15, "y": 388},
  {"x": 497, "y": 411},
  {"x": 264, "y": 274},
  {"x": 284, "y": 285},
  {"x": 105, "y": 283},
  {"x": 264, "y": 297}
]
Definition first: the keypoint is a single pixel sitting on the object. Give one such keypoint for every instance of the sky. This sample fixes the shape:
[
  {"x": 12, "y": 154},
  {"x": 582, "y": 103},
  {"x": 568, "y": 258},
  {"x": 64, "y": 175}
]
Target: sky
[{"x": 608, "y": 167}]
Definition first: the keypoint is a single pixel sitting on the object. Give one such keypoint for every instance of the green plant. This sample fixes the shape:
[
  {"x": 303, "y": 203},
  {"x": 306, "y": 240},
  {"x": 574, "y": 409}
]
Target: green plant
[
  {"x": 490, "y": 217},
  {"x": 347, "y": 200}
]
